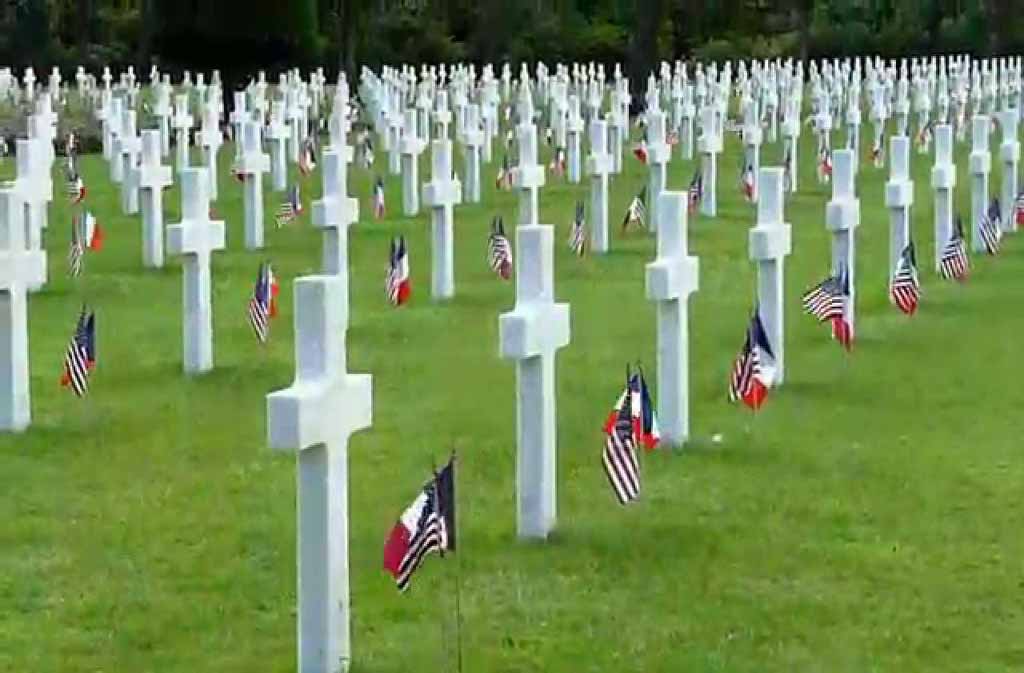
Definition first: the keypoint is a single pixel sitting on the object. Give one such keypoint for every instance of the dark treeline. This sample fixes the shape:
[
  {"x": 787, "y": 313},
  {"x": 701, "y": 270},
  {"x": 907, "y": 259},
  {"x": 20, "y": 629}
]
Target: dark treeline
[{"x": 240, "y": 36}]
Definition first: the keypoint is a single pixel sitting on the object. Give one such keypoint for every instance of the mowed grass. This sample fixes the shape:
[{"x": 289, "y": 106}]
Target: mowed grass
[{"x": 867, "y": 520}]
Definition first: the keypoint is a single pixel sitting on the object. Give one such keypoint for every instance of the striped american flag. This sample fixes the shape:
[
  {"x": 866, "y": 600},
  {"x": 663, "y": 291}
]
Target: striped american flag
[
  {"x": 1019, "y": 210},
  {"x": 503, "y": 180},
  {"x": 499, "y": 250},
  {"x": 397, "y": 284},
  {"x": 80, "y": 356},
  {"x": 261, "y": 305},
  {"x": 904, "y": 287},
  {"x": 747, "y": 182},
  {"x": 751, "y": 378},
  {"x": 578, "y": 235},
  {"x": 953, "y": 262},
  {"x": 290, "y": 208},
  {"x": 76, "y": 252},
  {"x": 558, "y": 162},
  {"x": 989, "y": 227},
  {"x": 826, "y": 300},
  {"x": 636, "y": 213},
  {"x": 619, "y": 456},
  {"x": 307, "y": 158},
  {"x": 695, "y": 192}
]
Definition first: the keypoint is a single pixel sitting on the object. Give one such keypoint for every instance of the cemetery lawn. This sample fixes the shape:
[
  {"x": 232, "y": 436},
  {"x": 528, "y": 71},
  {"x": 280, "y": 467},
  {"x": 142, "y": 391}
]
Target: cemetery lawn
[{"x": 869, "y": 519}]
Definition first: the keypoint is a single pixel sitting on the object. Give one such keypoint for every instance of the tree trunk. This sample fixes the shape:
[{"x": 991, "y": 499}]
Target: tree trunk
[{"x": 643, "y": 49}]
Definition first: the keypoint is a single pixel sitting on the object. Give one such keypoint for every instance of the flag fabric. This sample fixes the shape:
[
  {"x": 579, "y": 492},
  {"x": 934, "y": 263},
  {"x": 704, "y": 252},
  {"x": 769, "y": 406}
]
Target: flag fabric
[
  {"x": 905, "y": 288},
  {"x": 640, "y": 151},
  {"x": 80, "y": 357},
  {"x": 578, "y": 235},
  {"x": 76, "y": 188},
  {"x": 672, "y": 139},
  {"x": 263, "y": 303},
  {"x": 290, "y": 208},
  {"x": 842, "y": 326},
  {"x": 557, "y": 165},
  {"x": 924, "y": 136},
  {"x": 427, "y": 525},
  {"x": 398, "y": 284},
  {"x": 751, "y": 375},
  {"x": 878, "y": 153},
  {"x": 1018, "y": 214},
  {"x": 824, "y": 164},
  {"x": 825, "y": 300},
  {"x": 989, "y": 227},
  {"x": 636, "y": 213},
  {"x": 503, "y": 180},
  {"x": 307, "y": 158},
  {"x": 619, "y": 458},
  {"x": 549, "y": 136},
  {"x": 379, "y": 206},
  {"x": 367, "y": 152},
  {"x": 650, "y": 435},
  {"x": 76, "y": 253},
  {"x": 695, "y": 192},
  {"x": 91, "y": 232},
  {"x": 499, "y": 250},
  {"x": 953, "y": 263},
  {"x": 747, "y": 182}
]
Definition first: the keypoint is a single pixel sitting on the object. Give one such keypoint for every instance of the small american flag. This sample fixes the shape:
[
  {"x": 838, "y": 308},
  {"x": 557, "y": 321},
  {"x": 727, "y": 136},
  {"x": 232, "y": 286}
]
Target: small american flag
[
  {"x": 379, "y": 206},
  {"x": 695, "y": 192},
  {"x": 751, "y": 377},
  {"x": 825, "y": 300},
  {"x": 989, "y": 227},
  {"x": 263, "y": 303},
  {"x": 503, "y": 180},
  {"x": 953, "y": 263},
  {"x": 578, "y": 235},
  {"x": 76, "y": 188},
  {"x": 673, "y": 138},
  {"x": 499, "y": 250},
  {"x": 367, "y": 153},
  {"x": 307, "y": 158},
  {"x": 878, "y": 153},
  {"x": 636, "y": 213},
  {"x": 747, "y": 182},
  {"x": 619, "y": 456},
  {"x": 398, "y": 285},
  {"x": 290, "y": 208},
  {"x": 824, "y": 164},
  {"x": 557, "y": 165},
  {"x": 76, "y": 253},
  {"x": 924, "y": 136},
  {"x": 905, "y": 288},
  {"x": 80, "y": 357}
]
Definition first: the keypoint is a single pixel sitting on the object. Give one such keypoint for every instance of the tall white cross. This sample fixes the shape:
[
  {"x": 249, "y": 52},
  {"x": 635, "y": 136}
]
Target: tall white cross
[
  {"x": 1009, "y": 152},
  {"x": 752, "y": 135},
  {"x": 151, "y": 177},
  {"x": 182, "y": 123},
  {"x": 129, "y": 147},
  {"x": 115, "y": 120},
  {"x": 440, "y": 195},
  {"x": 574, "y": 139},
  {"x": 278, "y": 137},
  {"x": 899, "y": 198},
  {"x": 599, "y": 165},
  {"x": 162, "y": 112},
  {"x": 529, "y": 176},
  {"x": 671, "y": 279},
  {"x": 315, "y": 417},
  {"x": 20, "y": 269},
  {"x": 34, "y": 188},
  {"x": 658, "y": 156},
  {"x": 472, "y": 139},
  {"x": 842, "y": 217},
  {"x": 239, "y": 115},
  {"x": 709, "y": 145},
  {"x": 770, "y": 242},
  {"x": 943, "y": 184},
  {"x": 980, "y": 165},
  {"x": 412, "y": 147},
  {"x": 196, "y": 237},
  {"x": 334, "y": 213},
  {"x": 531, "y": 334},
  {"x": 252, "y": 164},
  {"x": 212, "y": 141}
]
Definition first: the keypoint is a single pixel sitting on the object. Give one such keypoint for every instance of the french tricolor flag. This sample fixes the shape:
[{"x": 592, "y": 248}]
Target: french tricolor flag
[{"x": 92, "y": 233}]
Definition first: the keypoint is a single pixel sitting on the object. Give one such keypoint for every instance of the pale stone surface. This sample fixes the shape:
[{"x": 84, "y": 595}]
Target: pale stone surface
[
  {"x": 529, "y": 176},
  {"x": 842, "y": 217},
  {"x": 899, "y": 198},
  {"x": 151, "y": 178},
  {"x": 252, "y": 164},
  {"x": 770, "y": 242},
  {"x": 196, "y": 237},
  {"x": 20, "y": 268},
  {"x": 278, "y": 138},
  {"x": 980, "y": 167},
  {"x": 129, "y": 148},
  {"x": 315, "y": 417},
  {"x": 335, "y": 213},
  {"x": 1009, "y": 153},
  {"x": 412, "y": 147},
  {"x": 212, "y": 140},
  {"x": 943, "y": 184},
  {"x": 472, "y": 139},
  {"x": 671, "y": 279},
  {"x": 182, "y": 123},
  {"x": 599, "y": 166},
  {"x": 752, "y": 144},
  {"x": 34, "y": 188},
  {"x": 709, "y": 145},
  {"x": 658, "y": 156},
  {"x": 531, "y": 334},
  {"x": 440, "y": 195}
]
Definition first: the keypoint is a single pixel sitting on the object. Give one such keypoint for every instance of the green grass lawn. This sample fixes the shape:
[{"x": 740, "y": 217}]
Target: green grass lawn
[{"x": 867, "y": 520}]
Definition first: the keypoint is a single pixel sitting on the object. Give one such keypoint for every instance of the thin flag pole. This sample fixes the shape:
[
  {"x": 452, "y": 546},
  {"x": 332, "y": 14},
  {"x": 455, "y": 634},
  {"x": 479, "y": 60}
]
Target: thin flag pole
[{"x": 458, "y": 576}]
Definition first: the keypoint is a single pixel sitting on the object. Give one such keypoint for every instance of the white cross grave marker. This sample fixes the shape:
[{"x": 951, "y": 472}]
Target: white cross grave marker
[
  {"x": 440, "y": 195},
  {"x": 252, "y": 164},
  {"x": 196, "y": 237},
  {"x": 671, "y": 279},
  {"x": 334, "y": 213},
  {"x": 315, "y": 417},
  {"x": 709, "y": 145},
  {"x": 472, "y": 138},
  {"x": 182, "y": 126},
  {"x": 412, "y": 147},
  {"x": 980, "y": 165},
  {"x": 35, "y": 189},
  {"x": 943, "y": 183},
  {"x": 899, "y": 197},
  {"x": 212, "y": 141},
  {"x": 278, "y": 138},
  {"x": 770, "y": 242},
  {"x": 151, "y": 178},
  {"x": 1009, "y": 152},
  {"x": 129, "y": 147},
  {"x": 529, "y": 176},
  {"x": 116, "y": 119},
  {"x": 599, "y": 165},
  {"x": 531, "y": 334},
  {"x": 842, "y": 217}
]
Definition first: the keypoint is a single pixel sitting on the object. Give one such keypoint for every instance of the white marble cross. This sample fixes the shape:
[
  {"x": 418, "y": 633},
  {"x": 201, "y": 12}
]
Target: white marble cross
[
  {"x": 440, "y": 195},
  {"x": 842, "y": 217},
  {"x": 472, "y": 139},
  {"x": 531, "y": 334},
  {"x": 752, "y": 136},
  {"x": 151, "y": 178},
  {"x": 334, "y": 213},
  {"x": 412, "y": 147},
  {"x": 278, "y": 137},
  {"x": 315, "y": 417},
  {"x": 658, "y": 155},
  {"x": 251, "y": 165},
  {"x": 671, "y": 279},
  {"x": 687, "y": 114},
  {"x": 574, "y": 139},
  {"x": 980, "y": 166},
  {"x": 529, "y": 175},
  {"x": 34, "y": 189},
  {"x": 196, "y": 237},
  {"x": 599, "y": 165},
  {"x": 212, "y": 141},
  {"x": 943, "y": 184},
  {"x": 162, "y": 112},
  {"x": 709, "y": 145},
  {"x": 899, "y": 197},
  {"x": 129, "y": 146},
  {"x": 239, "y": 115},
  {"x": 769, "y": 243},
  {"x": 791, "y": 141},
  {"x": 20, "y": 269},
  {"x": 114, "y": 120},
  {"x": 1009, "y": 152},
  {"x": 182, "y": 123}
]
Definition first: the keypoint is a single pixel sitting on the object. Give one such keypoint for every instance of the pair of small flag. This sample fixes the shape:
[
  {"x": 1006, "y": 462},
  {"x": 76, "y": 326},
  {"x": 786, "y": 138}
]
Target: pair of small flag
[
  {"x": 290, "y": 208},
  {"x": 878, "y": 153},
  {"x": 558, "y": 162},
  {"x": 924, "y": 136},
  {"x": 427, "y": 525},
  {"x": 747, "y": 182},
  {"x": 80, "y": 356},
  {"x": 904, "y": 287},
  {"x": 632, "y": 422},
  {"x": 953, "y": 262},
  {"x": 578, "y": 235},
  {"x": 86, "y": 234},
  {"x": 753, "y": 371},
  {"x": 263, "y": 303},
  {"x": 636, "y": 213},
  {"x": 366, "y": 151},
  {"x": 830, "y": 301},
  {"x": 640, "y": 150},
  {"x": 824, "y": 164},
  {"x": 499, "y": 250},
  {"x": 397, "y": 284}
]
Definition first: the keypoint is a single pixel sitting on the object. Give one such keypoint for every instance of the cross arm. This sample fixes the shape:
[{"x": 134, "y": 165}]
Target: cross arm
[
  {"x": 316, "y": 412},
  {"x": 533, "y": 328}
]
